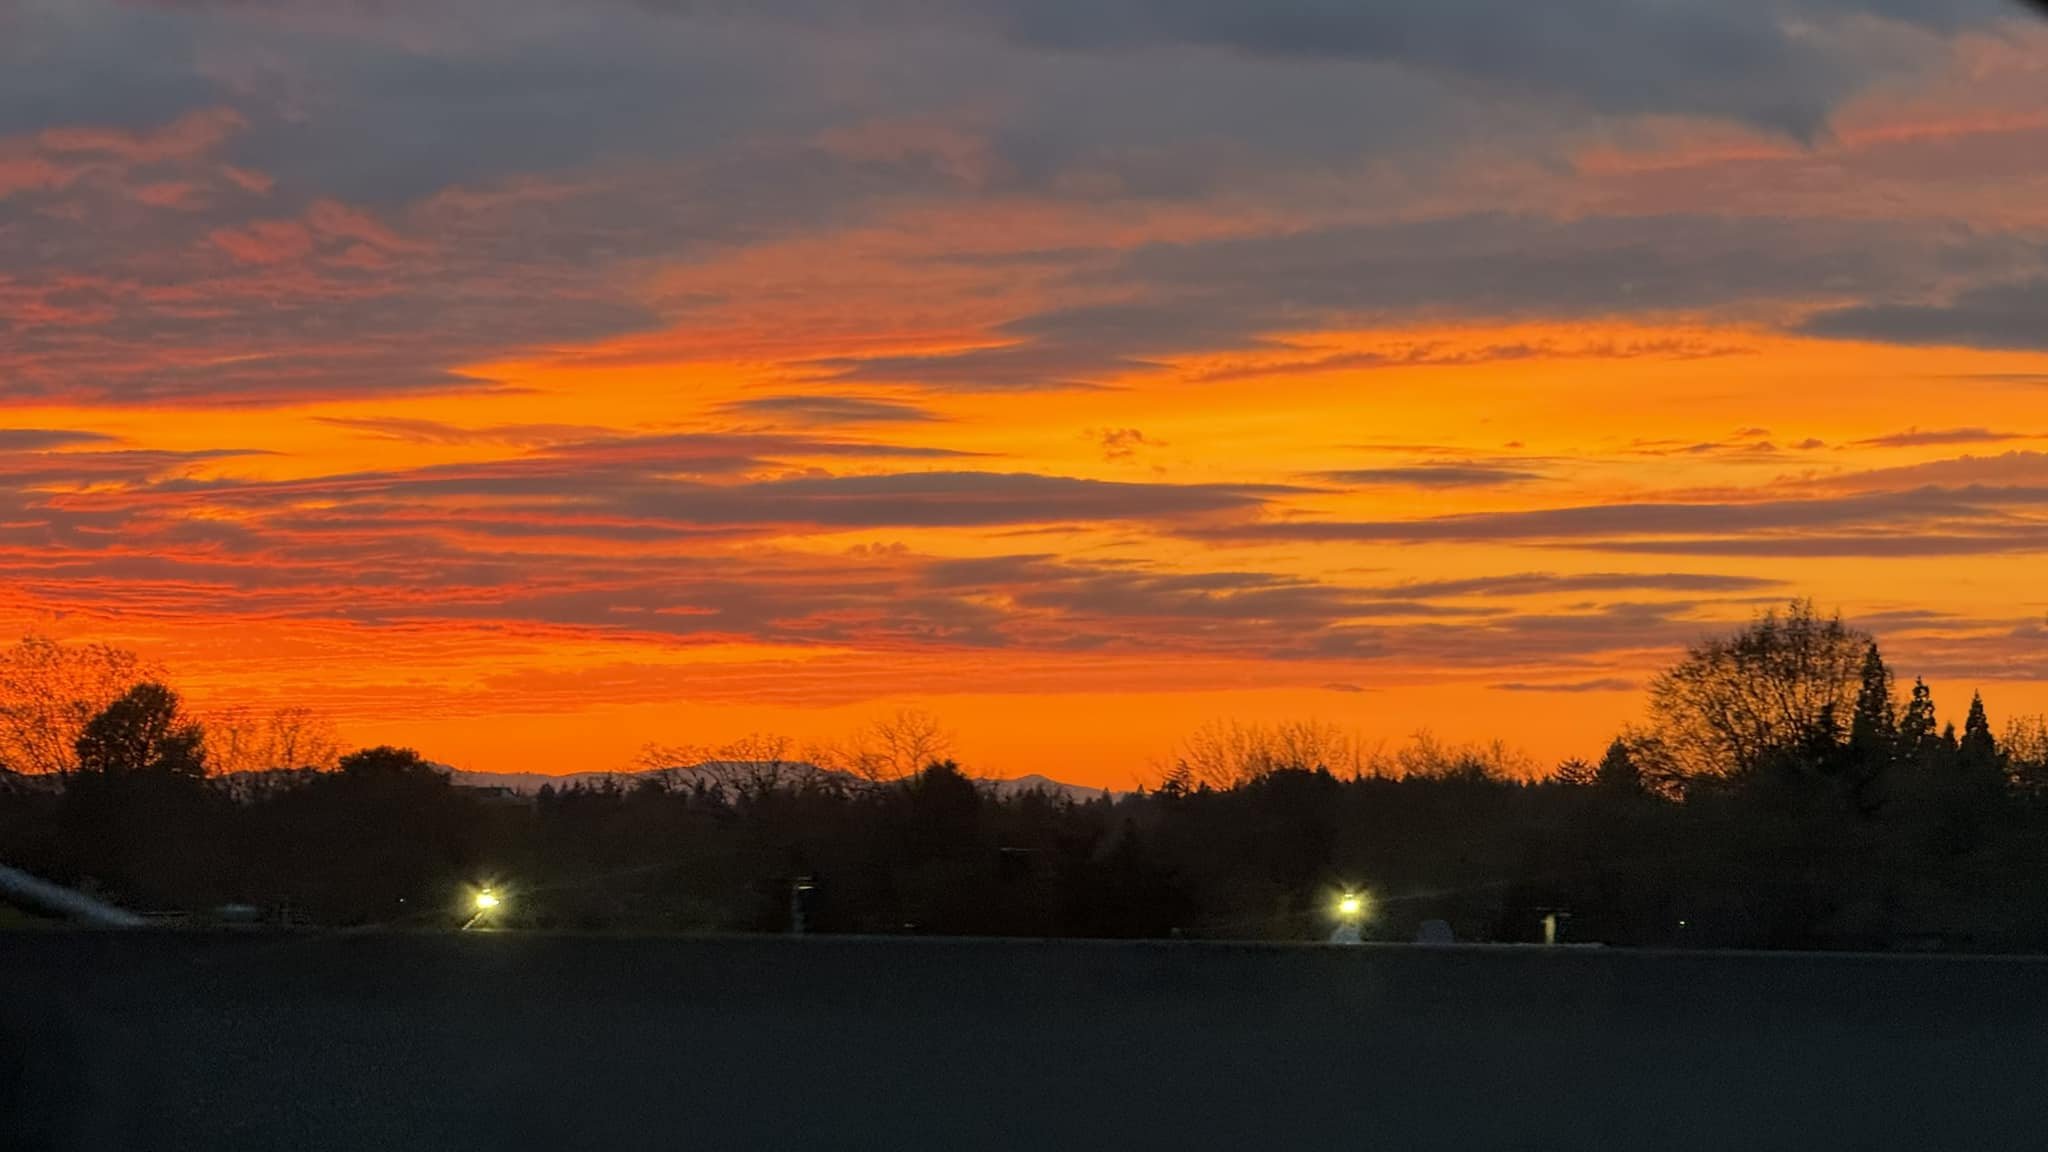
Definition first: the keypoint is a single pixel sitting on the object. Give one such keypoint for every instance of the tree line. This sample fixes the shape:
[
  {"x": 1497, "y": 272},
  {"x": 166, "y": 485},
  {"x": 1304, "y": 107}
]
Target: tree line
[{"x": 1784, "y": 790}]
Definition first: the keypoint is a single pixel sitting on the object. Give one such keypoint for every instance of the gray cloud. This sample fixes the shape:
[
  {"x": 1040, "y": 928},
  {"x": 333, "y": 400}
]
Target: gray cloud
[
  {"x": 1726, "y": 59},
  {"x": 1235, "y": 294},
  {"x": 1928, "y": 520},
  {"x": 1870, "y": 544},
  {"x": 2006, "y": 468},
  {"x": 1547, "y": 583},
  {"x": 1739, "y": 59},
  {"x": 1431, "y": 475},
  {"x": 1022, "y": 367},
  {"x": 1918, "y": 437},
  {"x": 941, "y": 499},
  {"x": 2002, "y": 315},
  {"x": 39, "y": 439},
  {"x": 829, "y": 409},
  {"x": 655, "y": 486},
  {"x": 528, "y": 153},
  {"x": 1124, "y": 443},
  {"x": 1602, "y": 684},
  {"x": 416, "y": 431}
]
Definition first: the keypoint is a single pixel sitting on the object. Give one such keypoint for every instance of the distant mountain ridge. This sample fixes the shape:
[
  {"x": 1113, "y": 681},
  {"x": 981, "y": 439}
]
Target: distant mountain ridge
[{"x": 527, "y": 783}]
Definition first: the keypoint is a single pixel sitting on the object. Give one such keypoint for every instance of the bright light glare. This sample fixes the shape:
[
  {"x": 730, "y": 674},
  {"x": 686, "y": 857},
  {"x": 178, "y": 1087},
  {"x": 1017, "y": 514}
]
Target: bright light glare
[
  {"x": 486, "y": 900},
  {"x": 1350, "y": 905}
]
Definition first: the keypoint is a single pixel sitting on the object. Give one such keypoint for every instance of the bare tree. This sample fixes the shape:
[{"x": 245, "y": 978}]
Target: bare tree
[
  {"x": 1428, "y": 756},
  {"x": 758, "y": 764},
  {"x": 293, "y": 737},
  {"x": 2026, "y": 752},
  {"x": 890, "y": 748},
  {"x": 1735, "y": 701},
  {"x": 49, "y": 692},
  {"x": 1228, "y": 753},
  {"x": 668, "y": 766}
]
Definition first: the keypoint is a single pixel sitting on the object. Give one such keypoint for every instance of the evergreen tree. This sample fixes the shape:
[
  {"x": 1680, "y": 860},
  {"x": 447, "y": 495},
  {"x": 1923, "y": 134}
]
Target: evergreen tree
[
  {"x": 1874, "y": 729},
  {"x": 1576, "y": 773},
  {"x": 1978, "y": 752},
  {"x": 1618, "y": 771},
  {"x": 1916, "y": 739}
]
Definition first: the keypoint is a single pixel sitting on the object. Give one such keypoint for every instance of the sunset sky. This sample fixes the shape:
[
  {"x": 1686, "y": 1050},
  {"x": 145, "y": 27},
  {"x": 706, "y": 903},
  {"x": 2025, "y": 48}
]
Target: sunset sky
[{"x": 525, "y": 381}]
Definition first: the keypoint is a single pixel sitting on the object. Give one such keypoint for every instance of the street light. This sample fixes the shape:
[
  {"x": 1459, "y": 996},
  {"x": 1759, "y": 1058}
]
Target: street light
[
  {"x": 484, "y": 906},
  {"x": 1351, "y": 913}
]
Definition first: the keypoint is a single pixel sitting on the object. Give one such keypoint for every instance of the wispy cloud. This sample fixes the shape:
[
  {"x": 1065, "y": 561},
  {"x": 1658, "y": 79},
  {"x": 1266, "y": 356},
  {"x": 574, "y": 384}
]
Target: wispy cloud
[
  {"x": 1603, "y": 684},
  {"x": 41, "y": 439},
  {"x": 1435, "y": 474},
  {"x": 1919, "y": 437},
  {"x": 828, "y": 409},
  {"x": 418, "y": 431}
]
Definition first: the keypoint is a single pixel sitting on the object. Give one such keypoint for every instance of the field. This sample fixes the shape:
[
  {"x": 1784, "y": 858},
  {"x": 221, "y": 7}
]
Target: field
[{"x": 360, "y": 1042}]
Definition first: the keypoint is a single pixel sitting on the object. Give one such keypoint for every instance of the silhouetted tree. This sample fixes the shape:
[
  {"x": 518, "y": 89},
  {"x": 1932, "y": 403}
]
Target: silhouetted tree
[
  {"x": 2026, "y": 754},
  {"x": 244, "y": 741},
  {"x": 1977, "y": 752},
  {"x": 1736, "y": 703},
  {"x": 1781, "y": 849},
  {"x": 1576, "y": 773},
  {"x": 1917, "y": 741},
  {"x": 1224, "y": 754},
  {"x": 49, "y": 691},
  {"x": 385, "y": 762},
  {"x": 1618, "y": 773},
  {"x": 1874, "y": 729},
  {"x": 142, "y": 732}
]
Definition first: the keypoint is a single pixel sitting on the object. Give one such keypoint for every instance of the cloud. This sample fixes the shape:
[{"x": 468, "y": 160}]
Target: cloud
[
  {"x": 1744, "y": 61},
  {"x": 801, "y": 409},
  {"x": 1177, "y": 300},
  {"x": 40, "y": 439},
  {"x": 684, "y": 484},
  {"x": 1123, "y": 443},
  {"x": 193, "y": 134},
  {"x": 1917, "y": 437},
  {"x": 1435, "y": 354},
  {"x": 1550, "y": 583},
  {"x": 1864, "y": 544},
  {"x": 415, "y": 431},
  {"x": 1431, "y": 475},
  {"x": 1928, "y": 520},
  {"x": 1735, "y": 60},
  {"x": 2005, "y": 469},
  {"x": 367, "y": 200},
  {"x": 1010, "y": 368},
  {"x": 1602, "y": 684},
  {"x": 1999, "y": 315}
]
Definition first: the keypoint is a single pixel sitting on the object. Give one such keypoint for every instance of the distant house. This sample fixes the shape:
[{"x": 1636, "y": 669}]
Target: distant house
[{"x": 496, "y": 794}]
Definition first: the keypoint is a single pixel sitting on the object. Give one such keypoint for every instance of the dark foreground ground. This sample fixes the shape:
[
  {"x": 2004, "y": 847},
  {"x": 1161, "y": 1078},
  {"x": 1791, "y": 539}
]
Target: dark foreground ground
[{"x": 164, "y": 1041}]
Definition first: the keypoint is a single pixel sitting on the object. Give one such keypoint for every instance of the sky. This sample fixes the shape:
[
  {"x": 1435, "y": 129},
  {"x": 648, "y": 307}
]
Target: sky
[{"x": 526, "y": 381}]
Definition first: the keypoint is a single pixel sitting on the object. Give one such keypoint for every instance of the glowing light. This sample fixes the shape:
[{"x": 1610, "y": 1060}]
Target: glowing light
[
  {"x": 1351, "y": 905},
  {"x": 486, "y": 900}
]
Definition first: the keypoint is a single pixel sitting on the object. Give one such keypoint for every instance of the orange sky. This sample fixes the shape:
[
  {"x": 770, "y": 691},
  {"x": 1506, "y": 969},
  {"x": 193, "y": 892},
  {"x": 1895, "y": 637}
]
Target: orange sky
[{"x": 531, "y": 384}]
